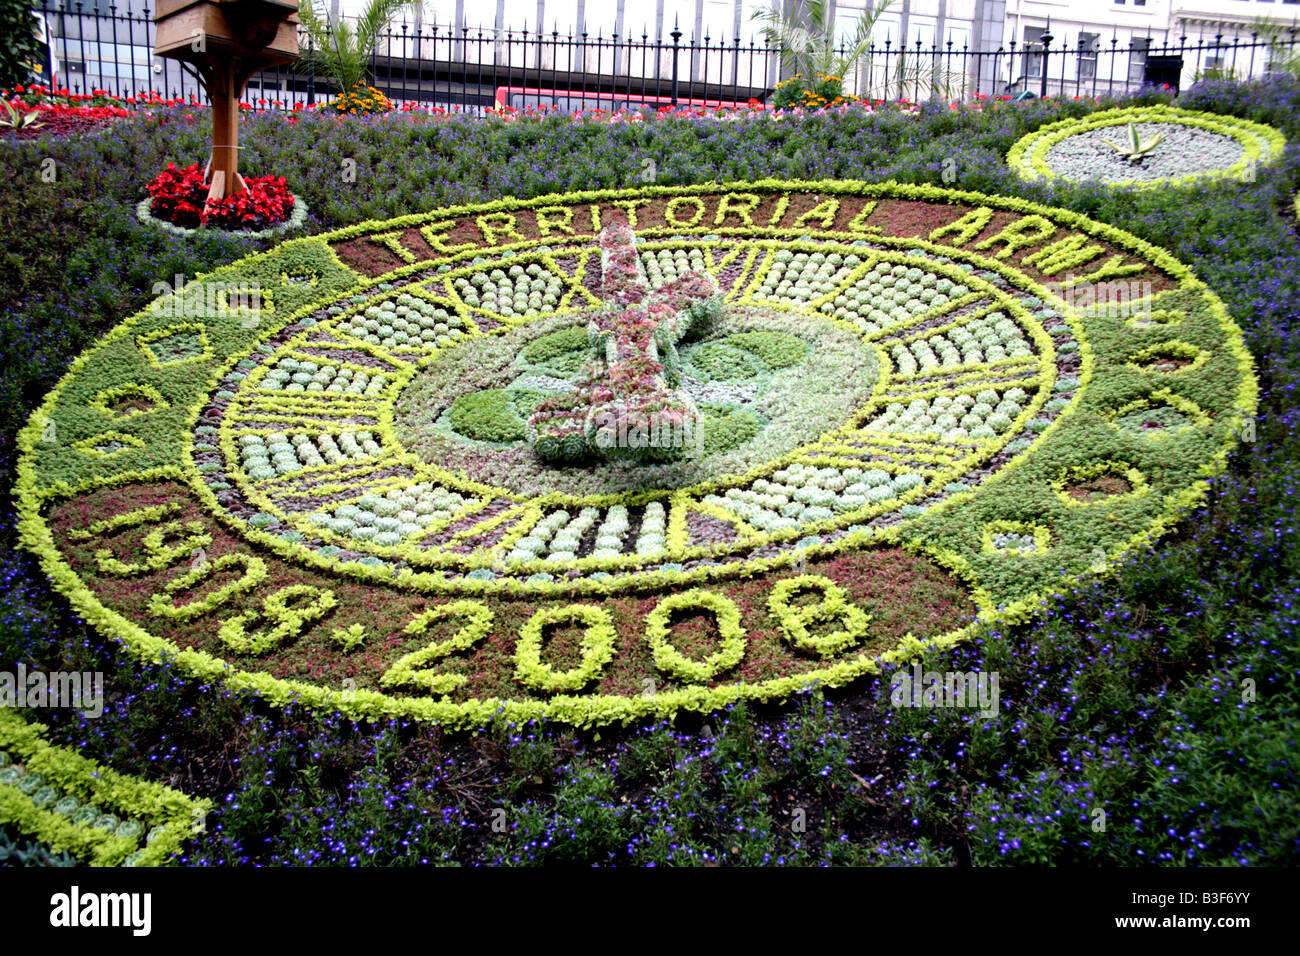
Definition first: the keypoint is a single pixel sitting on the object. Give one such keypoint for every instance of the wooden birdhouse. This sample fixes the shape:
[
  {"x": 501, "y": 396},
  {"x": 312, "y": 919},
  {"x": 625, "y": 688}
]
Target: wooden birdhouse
[{"x": 227, "y": 41}]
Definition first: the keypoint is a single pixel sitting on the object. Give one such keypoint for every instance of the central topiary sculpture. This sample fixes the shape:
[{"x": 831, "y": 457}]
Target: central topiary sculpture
[{"x": 629, "y": 403}]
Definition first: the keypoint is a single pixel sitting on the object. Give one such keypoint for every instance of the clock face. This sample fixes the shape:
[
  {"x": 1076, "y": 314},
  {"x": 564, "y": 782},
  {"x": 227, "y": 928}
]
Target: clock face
[{"x": 315, "y": 472}]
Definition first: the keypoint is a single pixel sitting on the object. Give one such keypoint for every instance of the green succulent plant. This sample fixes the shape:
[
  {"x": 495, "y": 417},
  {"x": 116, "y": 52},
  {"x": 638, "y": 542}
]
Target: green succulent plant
[{"x": 1135, "y": 150}]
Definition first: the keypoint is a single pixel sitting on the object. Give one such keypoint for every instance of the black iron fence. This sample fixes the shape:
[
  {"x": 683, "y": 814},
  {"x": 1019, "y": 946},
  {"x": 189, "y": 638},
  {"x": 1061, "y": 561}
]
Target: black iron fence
[{"x": 96, "y": 47}]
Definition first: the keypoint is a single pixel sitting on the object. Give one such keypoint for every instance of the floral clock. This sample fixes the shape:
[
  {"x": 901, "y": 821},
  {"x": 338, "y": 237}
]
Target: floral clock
[
  {"x": 1146, "y": 146},
  {"x": 412, "y": 467}
]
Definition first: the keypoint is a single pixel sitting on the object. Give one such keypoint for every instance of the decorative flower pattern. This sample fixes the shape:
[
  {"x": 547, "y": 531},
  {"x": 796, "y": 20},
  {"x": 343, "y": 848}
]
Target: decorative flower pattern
[{"x": 996, "y": 441}]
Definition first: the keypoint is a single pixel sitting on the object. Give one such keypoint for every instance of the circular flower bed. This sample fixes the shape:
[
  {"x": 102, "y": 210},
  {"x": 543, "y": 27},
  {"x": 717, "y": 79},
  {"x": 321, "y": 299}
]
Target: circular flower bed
[
  {"x": 1146, "y": 146},
  {"x": 178, "y": 199},
  {"x": 315, "y": 473}
]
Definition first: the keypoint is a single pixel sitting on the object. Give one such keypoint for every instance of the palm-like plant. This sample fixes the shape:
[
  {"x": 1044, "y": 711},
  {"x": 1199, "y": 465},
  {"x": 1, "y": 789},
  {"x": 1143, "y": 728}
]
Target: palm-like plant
[
  {"x": 1282, "y": 54},
  {"x": 341, "y": 51},
  {"x": 806, "y": 35}
]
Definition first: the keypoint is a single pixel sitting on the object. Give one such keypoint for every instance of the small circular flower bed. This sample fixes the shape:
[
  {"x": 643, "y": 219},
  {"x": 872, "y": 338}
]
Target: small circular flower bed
[
  {"x": 805, "y": 427},
  {"x": 178, "y": 199},
  {"x": 1146, "y": 146}
]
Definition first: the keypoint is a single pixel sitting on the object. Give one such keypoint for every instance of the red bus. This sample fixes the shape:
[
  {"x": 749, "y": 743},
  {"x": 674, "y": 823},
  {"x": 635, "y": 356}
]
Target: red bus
[{"x": 569, "y": 101}]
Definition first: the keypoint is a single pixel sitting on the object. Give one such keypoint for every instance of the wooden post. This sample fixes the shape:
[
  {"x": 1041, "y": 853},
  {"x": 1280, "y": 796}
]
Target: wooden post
[
  {"x": 225, "y": 82},
  {"x": 227, "y": 41}
]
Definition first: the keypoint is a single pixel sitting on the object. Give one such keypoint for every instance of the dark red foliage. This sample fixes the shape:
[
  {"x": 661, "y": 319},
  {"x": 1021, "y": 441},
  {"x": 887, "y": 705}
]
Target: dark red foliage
[{"x": 62, "y": 121}]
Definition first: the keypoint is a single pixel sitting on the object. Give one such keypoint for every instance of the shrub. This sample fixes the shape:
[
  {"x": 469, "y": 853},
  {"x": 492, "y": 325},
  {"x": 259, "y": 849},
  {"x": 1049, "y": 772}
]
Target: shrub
[{"x": 19, "y": 51}]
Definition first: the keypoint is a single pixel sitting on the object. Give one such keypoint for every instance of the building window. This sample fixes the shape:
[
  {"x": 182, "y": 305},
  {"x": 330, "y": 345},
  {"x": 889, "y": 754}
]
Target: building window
[
  {"x": 1139, "y": 3},
  {"x": 1088, "y": 45},
  {"x": 1215, "y": 55},
  {"x": 1137, "y": 58},
  {"x": 1033, "y": 56}
]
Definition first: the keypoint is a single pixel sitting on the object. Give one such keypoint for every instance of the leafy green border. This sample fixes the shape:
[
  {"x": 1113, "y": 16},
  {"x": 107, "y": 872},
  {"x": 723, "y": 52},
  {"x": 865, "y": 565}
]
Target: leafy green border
[{"x": 172, "y": 815}]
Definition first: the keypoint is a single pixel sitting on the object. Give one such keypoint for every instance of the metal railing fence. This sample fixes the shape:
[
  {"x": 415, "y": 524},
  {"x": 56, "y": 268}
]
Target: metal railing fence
[{"x": 96, "y": 47}]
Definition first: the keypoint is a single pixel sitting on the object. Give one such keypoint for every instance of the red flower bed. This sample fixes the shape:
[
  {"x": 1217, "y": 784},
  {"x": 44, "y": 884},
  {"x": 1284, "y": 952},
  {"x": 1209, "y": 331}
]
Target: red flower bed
[
  {"x": 58, "y": 119},
  {"x": 180, "y": 197},
  {"x": 37, "y": 95}
]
